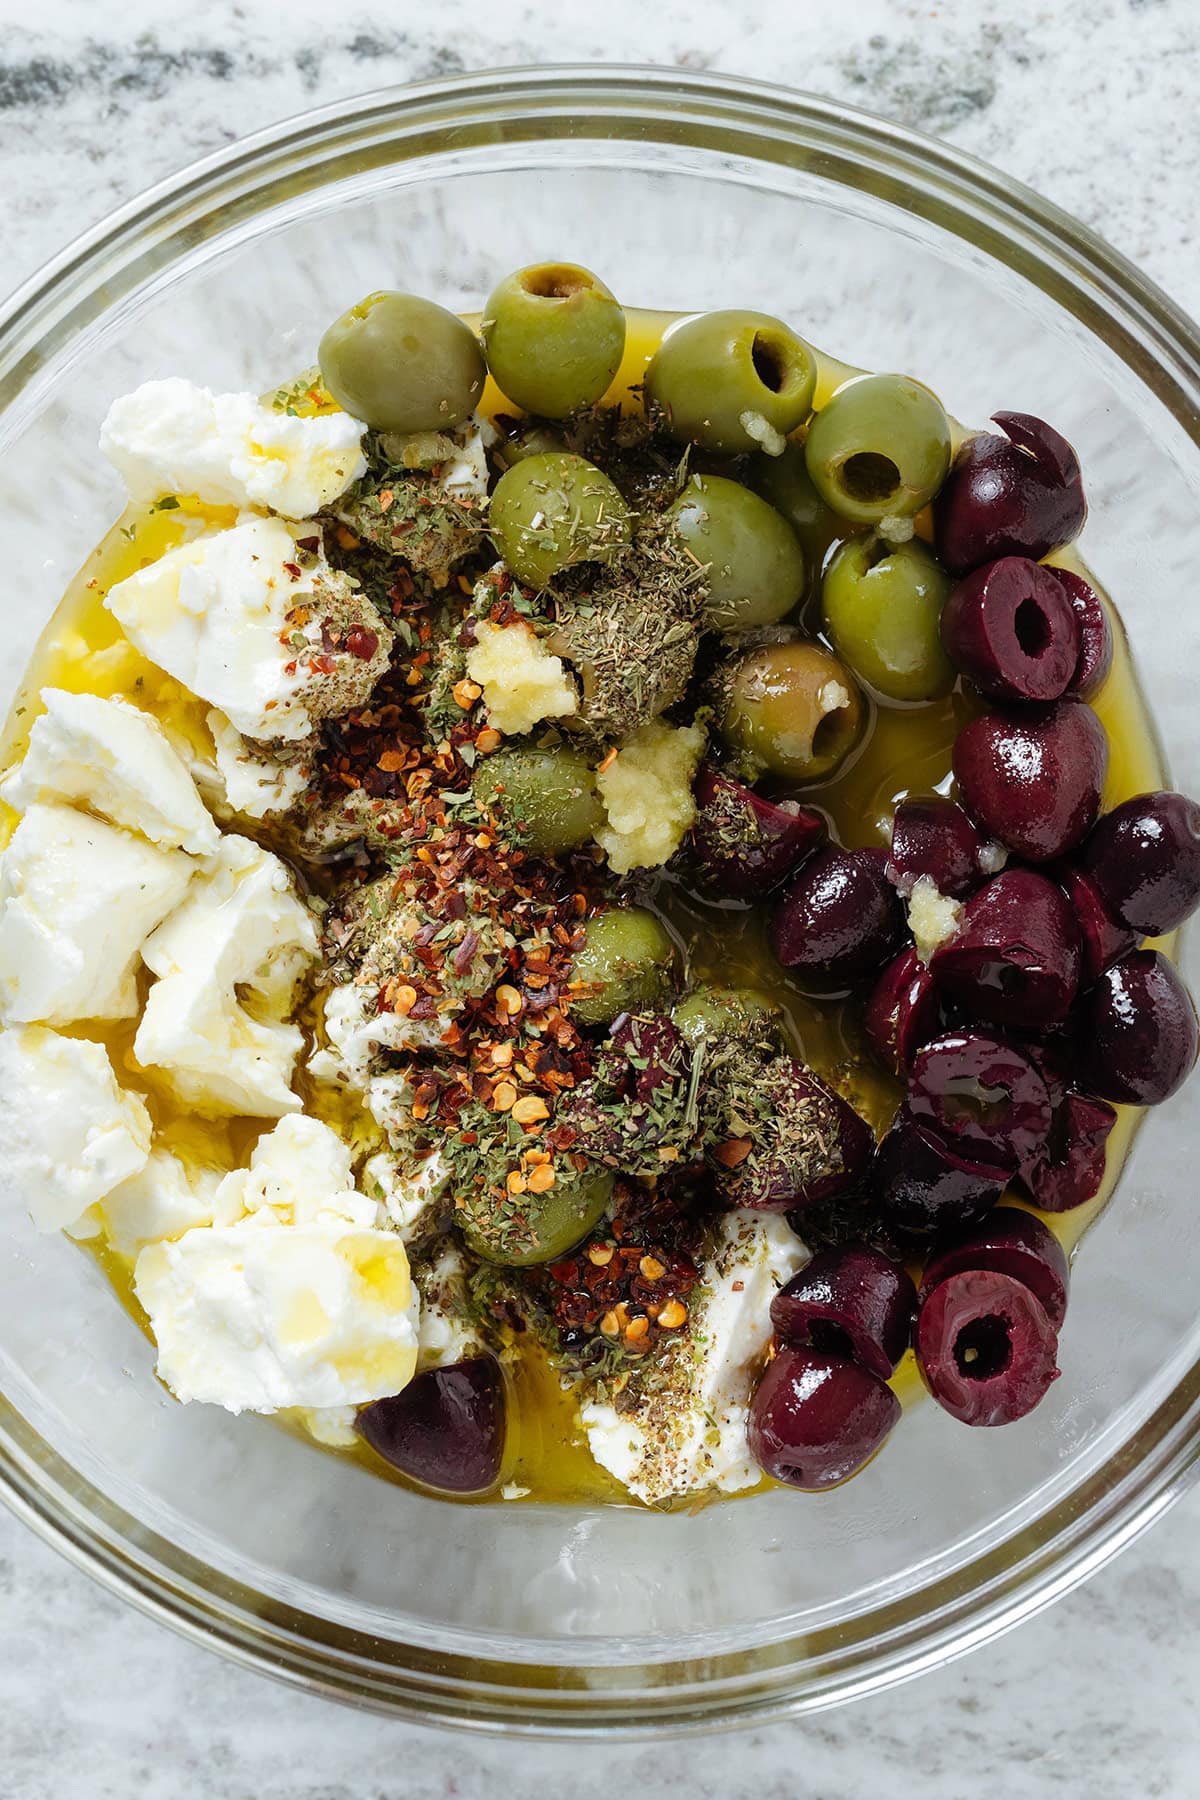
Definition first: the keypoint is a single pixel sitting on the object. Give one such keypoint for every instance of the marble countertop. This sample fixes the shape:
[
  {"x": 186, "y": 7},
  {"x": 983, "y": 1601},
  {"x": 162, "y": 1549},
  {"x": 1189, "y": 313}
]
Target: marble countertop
[{"x": 1092, "y": 102}]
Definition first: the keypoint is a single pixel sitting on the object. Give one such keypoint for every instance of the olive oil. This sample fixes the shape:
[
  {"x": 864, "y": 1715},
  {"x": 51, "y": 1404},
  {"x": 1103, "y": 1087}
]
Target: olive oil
[{"x": 905, "y": 750}]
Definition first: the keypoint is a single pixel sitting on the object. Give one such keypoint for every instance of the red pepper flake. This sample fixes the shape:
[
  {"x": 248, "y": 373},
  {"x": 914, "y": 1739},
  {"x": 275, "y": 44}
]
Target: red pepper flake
[
  {"x": 362, "y": 642},
  {"x": 294, "y": 570}
]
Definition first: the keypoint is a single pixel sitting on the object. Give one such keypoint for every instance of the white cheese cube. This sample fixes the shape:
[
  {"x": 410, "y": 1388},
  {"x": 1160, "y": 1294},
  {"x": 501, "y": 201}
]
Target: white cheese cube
[
  {"x": 116, "y": 761},
  {"x": 228, "y": 962},
  {"x": 257, "y": 1316},
  {"x": 357, "y": 1032},
  {"x": 256, "y": 785},
  {"x": 690, "y": 1433},
  {"x": 77, "y": 900},
  {"x": 68, "y": 1134},
  {"x": 409, "y": 1191},
  {"x": 301, "y": 1173},
  {"x": 172, "y": 437},
  {"x": 163, "y": 1200}
]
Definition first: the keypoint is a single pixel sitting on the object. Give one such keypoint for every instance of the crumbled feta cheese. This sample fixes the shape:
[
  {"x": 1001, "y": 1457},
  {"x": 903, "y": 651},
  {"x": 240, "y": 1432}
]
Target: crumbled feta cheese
[
  {"x": 172, "y": 437},
  {"x": 357, "y": 1032},
  {"x": 228, "y": 962},
  {"x": 241, "y": 623},
  {"x": 329, "y": 1425},
  {"x": 300, "y": 1172},
  {"x": 522, "y": 682},
  {"x": 115, "y": 760},
  {"x": 163, "y": 1200},
  {"x": 933, "y": 917},
  {"x": 690, "y": 1434},
  {"x": 647, "y": 795},
  {"x": 447, "y": 1334},
  {"x": 408, "y": 1193},
  {"x": 77, "y": 901},
  {"x": 756, "y": 426},
  {"x": 68, "y": 1134},
  {"x": 258, "y": 1316},
  {"x": 458, "y": 454},
  {"x": 256, "y": 785}
]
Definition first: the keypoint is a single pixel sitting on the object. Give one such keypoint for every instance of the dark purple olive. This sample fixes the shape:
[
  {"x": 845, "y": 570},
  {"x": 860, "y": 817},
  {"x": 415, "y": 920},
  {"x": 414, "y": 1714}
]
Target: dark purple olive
[
  {"x": 1033, "y": 778},
  {"x": 1070, "y": 1168},
  {"x": 902, "y": 1013},
  {"x": 981, "y": 1096},
  {"x": 1009, "y": 1242},
  {"x": 934, "y": 837},
  {"x": 810, "y": 1145},
  {"x": 985, "y": 1347},
  {"x": 816, "y": 1419},
  {"x": 851, "y": 1301},
  {"x": 645, "y": 1054},
  {"x": 1136, "y": 1031},
  {"x": 839, "y": 921},
  {"x": 1010, "y": 628},
  {"x": 1017, "y": 956},
  {"x": 746, "y": 845},
  {"x": 924, "y": 1186},
  {"x": 1144, "y": 857},
  {"x": 1104, "y": 937},
  {"x": 1095, "y": 636},
  {"x": 1017, "y": 495},
  {"x": 445, "y": 1429}
]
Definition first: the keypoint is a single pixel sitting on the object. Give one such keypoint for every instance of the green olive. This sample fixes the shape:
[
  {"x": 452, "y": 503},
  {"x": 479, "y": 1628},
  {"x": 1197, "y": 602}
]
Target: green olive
[
  {"x": 537, "y": 1228},
  {"x": 551, "y": 511},
  {"x": 791, "y": 710},
  {"x": 732, "y": 381},
  {"x": 554, "y": 338},
  {"x": 548, "y": 796},
  {"x": 402, "y": 364},
  {"x": 712, "y": 1013},
  {"x": 785, "y": 483},
  {"x": 521, "y": 438},
  {"x": 755, "y": 563},
  {"x": 627, "y": 962},
  {"x": 883, "y": 608},
  {"x": 879, "y": 448}
]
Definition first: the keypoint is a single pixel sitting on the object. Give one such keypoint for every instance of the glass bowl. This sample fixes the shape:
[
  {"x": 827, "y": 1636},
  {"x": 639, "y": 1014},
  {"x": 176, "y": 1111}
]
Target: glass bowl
[{"x": 893, "y": 252}]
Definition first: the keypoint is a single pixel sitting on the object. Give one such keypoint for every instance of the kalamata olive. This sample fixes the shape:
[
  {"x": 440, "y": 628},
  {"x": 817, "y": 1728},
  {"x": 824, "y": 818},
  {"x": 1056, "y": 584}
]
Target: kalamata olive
[
  {"x": 838, "y": 921},
  {"x": 1017, "y": 495},
  {"x": 850, "y": 1301},
  {"x": 934, "y": 837},
  {"x": 924, "y": 1185},
  {"x": 809, "y": 1145},
  {"x": 1070, "y": 1168},
  {"x": 1104, "y": 937},
  {"x": 1017, "y": 956},
  {"x": 1136, "y": 1031},
  {"x": 982, "y": 1096},
  {"x": 985, "y": 1347},
  {"x": 445, "y": 1429},
  {"x": 1095, "y": 635},
  {"x": 902, "y": 1012},
  {"x": 1010, "y": 628},
  {"x": 1033, "y": 778},
  {"x": 655, "y": 1054},
  {"x": 1144, "y": 857},
  {"x": 747, "y": 845},
  {"x": 817, "y": 1419},
  {"x": 1009, "y": 1242}
]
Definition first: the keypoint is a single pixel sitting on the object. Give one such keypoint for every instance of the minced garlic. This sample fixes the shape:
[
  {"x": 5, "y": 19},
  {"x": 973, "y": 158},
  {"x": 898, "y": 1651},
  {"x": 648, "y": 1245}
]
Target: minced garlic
[
  {"x": 932, "y": 916},
  {"x": 647, "y": 795},
  {"x": 522, "y": 682}
]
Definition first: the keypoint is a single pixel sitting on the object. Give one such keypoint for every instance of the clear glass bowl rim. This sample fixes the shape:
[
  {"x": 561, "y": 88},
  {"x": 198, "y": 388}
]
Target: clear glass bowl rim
[{"x": 1004, "y": 1583}]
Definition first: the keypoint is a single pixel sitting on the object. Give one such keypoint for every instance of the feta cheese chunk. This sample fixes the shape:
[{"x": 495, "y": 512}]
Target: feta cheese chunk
[
  {"x": 301, "y": 1174},
  {"x": 459, "y": 455},
  {"x": 77, "y": 900},
  {"x": 647, "y": 794},
  {"x": 163, "y": 1200},
  {"x": 257, "y": 1316},
  {"x": 689, "y": 1432},
  {"x": 522, "y": 682},
  {"x": 172, "y": 437},
  {"x": 240, "y": 620},
  {"x": 447, "y": 1333},
  {"x": 228, "y": 961},
  {"x": 116, "y": 761},
  {"x": 256, "y": 785},
  {"x": 68, "y": 1134},
  {"x": 408, "y": 1191},
  {"x": 357, "y": 1031}
]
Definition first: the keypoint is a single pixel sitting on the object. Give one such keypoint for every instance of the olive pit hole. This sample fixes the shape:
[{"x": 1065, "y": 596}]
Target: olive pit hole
[
  {"x": 1031, "y": 628},
  {"x": 829, "y": 734},
  {"x": 830, "y": 1339},
  {"x": 969, "y": 1099},
  {"x": 983, "y": 1348},
  {"x": 869, "y": 476},
  {"x": 554, "y": 281},
  {"x": 770, "y": 362}
]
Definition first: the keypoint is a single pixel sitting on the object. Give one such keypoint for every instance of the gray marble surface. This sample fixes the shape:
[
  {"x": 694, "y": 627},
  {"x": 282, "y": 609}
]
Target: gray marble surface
[{"x": 1093, "y": 102}]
